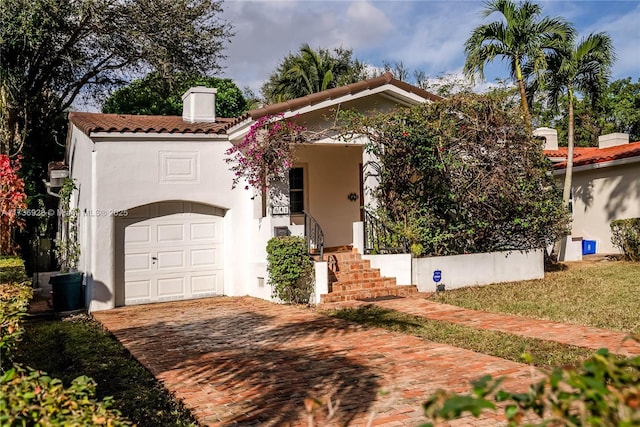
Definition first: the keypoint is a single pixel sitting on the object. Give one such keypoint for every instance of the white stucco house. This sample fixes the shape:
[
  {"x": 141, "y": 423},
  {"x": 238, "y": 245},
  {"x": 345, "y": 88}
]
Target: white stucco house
[
  {"x": 605, "y": 185},
  {"x": 159, "y": 219}
]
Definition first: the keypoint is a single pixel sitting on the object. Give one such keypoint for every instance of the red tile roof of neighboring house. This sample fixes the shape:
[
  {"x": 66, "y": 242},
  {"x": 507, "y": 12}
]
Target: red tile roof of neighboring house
[
  {"x": 350, "y": 89},
  {"x": 590, "y": 155},
  {"x": 120, "y": 123}
]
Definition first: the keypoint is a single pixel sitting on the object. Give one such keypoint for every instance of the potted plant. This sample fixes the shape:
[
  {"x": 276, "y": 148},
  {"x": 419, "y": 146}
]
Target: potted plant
[{"x": 66, "y": 286}]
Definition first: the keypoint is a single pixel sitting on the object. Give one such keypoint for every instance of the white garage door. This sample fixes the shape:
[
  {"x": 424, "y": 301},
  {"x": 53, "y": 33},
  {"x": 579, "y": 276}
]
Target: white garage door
[{"x": 175, "y": 253}]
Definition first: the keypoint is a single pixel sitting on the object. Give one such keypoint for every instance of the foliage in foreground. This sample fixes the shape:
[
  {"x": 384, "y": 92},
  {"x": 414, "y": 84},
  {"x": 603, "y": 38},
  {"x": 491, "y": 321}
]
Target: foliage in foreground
[
  {"x": 82, "y": 347},
  {"x": 12, "y": 199},
  {"x": 626, "y": 237},
  {"x": 290, "y": 269},
  {"x": 29, "y": 397},
  {"x": 462, "y": 175},
  {"x": 32, "y": 398},
  {"x": 14, "y": 300},
  {"x": 12, "y": 270},
  {"x": 604, "y": 391}
]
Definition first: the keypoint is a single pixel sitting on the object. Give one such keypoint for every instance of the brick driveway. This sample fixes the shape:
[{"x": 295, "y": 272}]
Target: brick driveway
[{"x": 244, "y": 361}]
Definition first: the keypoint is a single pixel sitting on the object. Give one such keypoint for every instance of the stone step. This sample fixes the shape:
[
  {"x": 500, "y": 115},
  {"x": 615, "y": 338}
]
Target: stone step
[
  {"x": 352, "y": 285},
  {"x": 363, "y": 294},
  {"x": 358, "y": 294},
  {"x": 338, "y": 305},
  {"x": 344, "y": 256},
  {"x": 370, "y": 273}
]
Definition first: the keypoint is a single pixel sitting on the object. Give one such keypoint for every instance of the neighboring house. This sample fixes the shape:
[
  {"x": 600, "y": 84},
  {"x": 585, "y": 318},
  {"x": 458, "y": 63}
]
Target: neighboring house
[
  {"x": 159, "y": 219},
  {"x": 605, "y": 185}
]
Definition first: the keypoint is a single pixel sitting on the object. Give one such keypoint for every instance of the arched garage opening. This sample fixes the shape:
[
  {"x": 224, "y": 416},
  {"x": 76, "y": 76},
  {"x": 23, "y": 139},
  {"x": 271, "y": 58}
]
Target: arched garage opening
[{"x": 169, "y": 251}]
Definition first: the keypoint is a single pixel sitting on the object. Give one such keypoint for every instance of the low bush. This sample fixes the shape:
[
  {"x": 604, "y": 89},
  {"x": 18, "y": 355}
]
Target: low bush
[
  {"x": 14, "y": 301},
  {"x": 12, "y": 270},
  {"x": 31, "y": 398},
  {"x": 290, "y": 269},
  {"x": 626, "y": 236},
  {"x": 604, "y": 391}
]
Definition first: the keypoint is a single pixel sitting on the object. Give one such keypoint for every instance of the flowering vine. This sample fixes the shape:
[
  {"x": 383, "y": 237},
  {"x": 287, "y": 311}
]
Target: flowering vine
[
  {"x": 12, "y": 199},
  {"x": 264, "y": 155}
]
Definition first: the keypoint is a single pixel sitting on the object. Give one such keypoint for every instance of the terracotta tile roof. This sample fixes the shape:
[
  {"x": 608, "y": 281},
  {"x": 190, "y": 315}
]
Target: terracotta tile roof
[
  {"x": 120, "y": 123},
  {"x": 353, "y": 88},
  {"x": 591, "y": 155}
]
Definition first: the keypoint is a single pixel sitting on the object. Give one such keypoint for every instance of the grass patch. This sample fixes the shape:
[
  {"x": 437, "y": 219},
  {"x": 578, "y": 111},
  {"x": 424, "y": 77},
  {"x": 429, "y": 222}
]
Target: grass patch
[
  {"x": 604, "y": 294},
  {"x": 544, "y": 354},
  {"x": 80, "y": 346}
]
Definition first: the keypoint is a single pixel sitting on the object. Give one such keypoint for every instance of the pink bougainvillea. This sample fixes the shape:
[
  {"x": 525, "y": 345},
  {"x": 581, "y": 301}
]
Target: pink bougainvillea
[
  {"x": 264, "y": 155},
  {"x": 12, "y": 199}
]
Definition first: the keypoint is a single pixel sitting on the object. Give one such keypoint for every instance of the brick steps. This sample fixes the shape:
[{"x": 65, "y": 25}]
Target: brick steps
[{"x": 351, "y": 278}]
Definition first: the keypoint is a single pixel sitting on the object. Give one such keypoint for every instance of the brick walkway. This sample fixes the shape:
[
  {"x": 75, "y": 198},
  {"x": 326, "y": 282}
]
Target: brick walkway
[
  {"x": 582, "y": 336},
  {"x": 247, "y": 362}
]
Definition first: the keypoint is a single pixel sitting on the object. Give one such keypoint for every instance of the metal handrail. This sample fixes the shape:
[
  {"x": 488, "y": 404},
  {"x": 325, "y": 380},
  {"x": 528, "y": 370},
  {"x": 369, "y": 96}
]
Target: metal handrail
[
  {"x": 380, "y": 239},
  {"x": 313, "y": 235}
]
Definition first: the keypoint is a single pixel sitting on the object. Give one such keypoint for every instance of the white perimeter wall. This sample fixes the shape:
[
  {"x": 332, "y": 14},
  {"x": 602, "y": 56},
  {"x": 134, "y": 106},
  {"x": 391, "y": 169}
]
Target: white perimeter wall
[{"x": 478, "y": 269}]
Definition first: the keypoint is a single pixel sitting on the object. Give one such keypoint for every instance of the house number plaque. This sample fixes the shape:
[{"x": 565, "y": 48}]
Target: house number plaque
[{"x": 280, "y": 210}]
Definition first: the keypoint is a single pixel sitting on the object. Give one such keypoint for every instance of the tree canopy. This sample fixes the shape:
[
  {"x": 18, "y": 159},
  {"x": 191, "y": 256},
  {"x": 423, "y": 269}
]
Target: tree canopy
[
  {"x": 520, "y": 37},
  {"x": 54, "y": 50},
  {"x": 576, "y": 67},
  {"x": 462, "y": 175},
  {"x": 156, "y": 95},
  {"x": 310, "y": 71}
]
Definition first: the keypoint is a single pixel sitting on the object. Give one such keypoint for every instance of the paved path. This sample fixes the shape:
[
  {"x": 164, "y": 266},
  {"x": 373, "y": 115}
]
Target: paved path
[
  {"x": 582, "y": 336},
  {"x": 247, "y": 362}
]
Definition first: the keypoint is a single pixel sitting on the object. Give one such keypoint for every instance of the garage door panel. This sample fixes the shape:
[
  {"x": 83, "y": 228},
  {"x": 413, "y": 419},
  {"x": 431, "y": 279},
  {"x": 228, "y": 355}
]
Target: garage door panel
[
  {"x": 173, "y": 256},
  {"x": 137, "y": 262},
  {"x": 171, "y": 260},
  {"x": 204, "y": 231},
  {"x": 206, "y": 284},
  {"x": 205, "y": 258},
  {"x": 137, "y": 234},
  {"x": 170, "y": 233},
  {"x": 171, "y": 288},
  {"x": 138, "y": 289}
]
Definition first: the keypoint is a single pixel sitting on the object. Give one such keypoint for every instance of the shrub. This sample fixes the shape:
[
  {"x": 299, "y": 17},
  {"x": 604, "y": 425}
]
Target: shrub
[
  {"x": 12, "y": 199},
  {"x": 29, "y": 397},
  {"x": 12, "y": 270},
  {"x": 604, "y": 391},
  {"x": 290, "y": 269},
  {"x": 461, "y": 175},
  {"x": 14, "y": 300},
  {"x": 264, "y": 156},
  {"x": 626, "y": 236}
]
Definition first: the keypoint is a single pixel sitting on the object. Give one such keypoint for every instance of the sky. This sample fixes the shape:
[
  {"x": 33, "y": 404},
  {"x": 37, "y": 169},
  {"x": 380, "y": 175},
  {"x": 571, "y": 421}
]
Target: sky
[{"x": 427, "y": 35}]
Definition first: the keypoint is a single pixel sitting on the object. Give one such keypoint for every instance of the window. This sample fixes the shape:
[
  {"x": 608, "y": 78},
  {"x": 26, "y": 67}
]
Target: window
[{"x": 296, "y": 190}]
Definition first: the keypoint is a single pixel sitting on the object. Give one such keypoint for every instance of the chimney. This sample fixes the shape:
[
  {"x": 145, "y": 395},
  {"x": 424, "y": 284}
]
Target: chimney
[
  {"x": 550, "y": 136},
  {"x": 613, "y": 140},
  {"x": 199, "y": 105}
]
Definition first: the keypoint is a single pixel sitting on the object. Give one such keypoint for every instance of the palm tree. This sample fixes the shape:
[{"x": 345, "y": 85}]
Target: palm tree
[
  {"x": 312, "y": 71},
  {"x": 520, "y": 38},
  {"x": 584, "y": 69}
]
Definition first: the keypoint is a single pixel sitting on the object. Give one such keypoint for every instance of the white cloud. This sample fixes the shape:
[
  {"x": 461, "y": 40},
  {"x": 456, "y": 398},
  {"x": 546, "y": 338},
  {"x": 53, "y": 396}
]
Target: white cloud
[{"x": 427, "y": 35}]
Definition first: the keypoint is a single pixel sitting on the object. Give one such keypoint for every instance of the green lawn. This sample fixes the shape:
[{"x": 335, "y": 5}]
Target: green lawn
[
  {"x": 603, "y": 294},
  {"x": 80, "y": 346}
]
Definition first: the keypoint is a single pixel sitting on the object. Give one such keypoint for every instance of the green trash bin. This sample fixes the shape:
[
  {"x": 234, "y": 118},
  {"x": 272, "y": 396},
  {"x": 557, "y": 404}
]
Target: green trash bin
[{"x": 67, "y": 291}]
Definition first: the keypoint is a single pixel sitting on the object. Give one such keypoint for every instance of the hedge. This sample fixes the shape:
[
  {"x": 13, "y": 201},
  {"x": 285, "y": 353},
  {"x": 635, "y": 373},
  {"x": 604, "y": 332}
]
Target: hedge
[
  {"x": 12, "y": 270},
  {"x": 626, "y": 237},
  {"x": 31, "y": 398}
]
